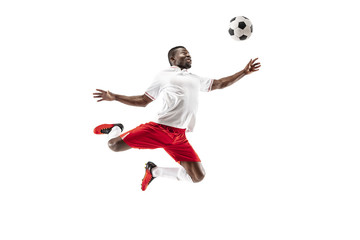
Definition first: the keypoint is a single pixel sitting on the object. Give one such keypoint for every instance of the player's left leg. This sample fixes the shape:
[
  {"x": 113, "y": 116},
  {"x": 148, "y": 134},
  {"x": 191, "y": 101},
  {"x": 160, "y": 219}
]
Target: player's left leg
[
  {"x": 118, "y": 145},
  {"x": 113, "y": 131}
]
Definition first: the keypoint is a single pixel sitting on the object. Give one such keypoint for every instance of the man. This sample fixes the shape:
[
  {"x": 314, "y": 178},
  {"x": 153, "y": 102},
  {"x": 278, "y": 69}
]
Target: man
[{"x": 179, "y": 91}]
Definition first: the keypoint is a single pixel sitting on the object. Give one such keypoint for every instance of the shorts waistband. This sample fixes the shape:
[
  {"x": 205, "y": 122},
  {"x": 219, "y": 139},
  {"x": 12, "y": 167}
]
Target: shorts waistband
[{"x": 169, "y": 128}]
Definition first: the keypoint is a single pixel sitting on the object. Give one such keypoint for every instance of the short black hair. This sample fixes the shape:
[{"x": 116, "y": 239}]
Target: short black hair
[{"x": 172, "y": 52}]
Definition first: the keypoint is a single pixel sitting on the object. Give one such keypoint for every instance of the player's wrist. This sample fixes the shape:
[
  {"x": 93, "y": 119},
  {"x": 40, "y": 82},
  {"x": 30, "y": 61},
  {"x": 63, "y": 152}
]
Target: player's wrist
[
  {"x": 242, "y": 73},
  {"x": 111, "y": 96}
]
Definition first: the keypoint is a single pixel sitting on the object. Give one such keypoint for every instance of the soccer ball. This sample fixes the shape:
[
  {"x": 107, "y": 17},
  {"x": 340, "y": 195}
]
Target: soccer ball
[{"x": 240, "y": 28}]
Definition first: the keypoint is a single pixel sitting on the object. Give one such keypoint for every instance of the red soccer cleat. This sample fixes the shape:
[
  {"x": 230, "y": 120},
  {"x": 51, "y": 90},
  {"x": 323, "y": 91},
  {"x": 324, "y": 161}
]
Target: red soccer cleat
[
  {"x": 106, "y": 128},
  {"x": 148, "y": 175}
]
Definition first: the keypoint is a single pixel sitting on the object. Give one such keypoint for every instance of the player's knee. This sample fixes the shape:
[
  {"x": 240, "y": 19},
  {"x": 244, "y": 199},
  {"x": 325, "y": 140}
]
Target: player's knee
[
  {"x": 118, "y": 145},
  {"x": 114, "y": 145}
]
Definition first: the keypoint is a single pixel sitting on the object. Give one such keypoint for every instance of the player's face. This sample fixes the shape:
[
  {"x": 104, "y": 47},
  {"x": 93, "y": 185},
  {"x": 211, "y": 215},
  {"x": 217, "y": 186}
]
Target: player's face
[{"x": 182, "y": 59}]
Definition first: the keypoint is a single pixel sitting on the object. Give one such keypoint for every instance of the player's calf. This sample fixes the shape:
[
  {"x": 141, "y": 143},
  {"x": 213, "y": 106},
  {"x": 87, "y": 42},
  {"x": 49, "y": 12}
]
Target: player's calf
[
  {"x": 197, "y": 177},
  {"x": 195, "y": 170}
]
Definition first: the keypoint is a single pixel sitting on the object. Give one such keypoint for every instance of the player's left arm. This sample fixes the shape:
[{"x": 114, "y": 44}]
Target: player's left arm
[{"x": 251, "y": 67}]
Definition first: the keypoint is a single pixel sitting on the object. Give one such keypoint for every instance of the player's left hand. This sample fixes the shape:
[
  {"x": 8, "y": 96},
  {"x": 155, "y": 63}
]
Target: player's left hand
[
  {"x": 104, "y": 95},
  {"x": 252, "y": 66}
]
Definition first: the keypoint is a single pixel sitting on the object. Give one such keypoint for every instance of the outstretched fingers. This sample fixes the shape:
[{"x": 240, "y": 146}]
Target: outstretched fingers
[
  {"x": 252, "y": 61},
  {"x": 255, "y": 66},
  {"x": 99, "y": 94}
]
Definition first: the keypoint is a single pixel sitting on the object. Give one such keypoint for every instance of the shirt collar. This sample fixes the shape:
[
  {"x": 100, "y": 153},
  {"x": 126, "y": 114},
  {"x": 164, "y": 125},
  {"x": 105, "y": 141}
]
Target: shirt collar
[{"x": 177, "y": 69}]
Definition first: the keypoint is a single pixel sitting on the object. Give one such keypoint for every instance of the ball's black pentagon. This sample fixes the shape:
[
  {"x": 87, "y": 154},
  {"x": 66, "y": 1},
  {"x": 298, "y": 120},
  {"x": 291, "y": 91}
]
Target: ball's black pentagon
[
  {"x": 231, "y": 31},
  {"x": 233, "y": 19},
  {"x": 245, "y": 17},
  {"x": 251, "y": 28},
  {"x": 243, "y": 37},
  {"x": 242, "y": 25}
]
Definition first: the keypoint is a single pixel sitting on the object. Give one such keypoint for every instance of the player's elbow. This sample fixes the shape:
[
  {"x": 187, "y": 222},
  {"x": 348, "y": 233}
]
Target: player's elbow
[
  {"x": 145, "y": 100},
  {"x": 143, "y": 104}
]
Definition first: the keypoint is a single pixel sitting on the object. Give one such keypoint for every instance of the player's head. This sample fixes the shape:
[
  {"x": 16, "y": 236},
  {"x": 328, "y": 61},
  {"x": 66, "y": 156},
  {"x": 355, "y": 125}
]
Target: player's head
[{"x": 179, "y": 56}]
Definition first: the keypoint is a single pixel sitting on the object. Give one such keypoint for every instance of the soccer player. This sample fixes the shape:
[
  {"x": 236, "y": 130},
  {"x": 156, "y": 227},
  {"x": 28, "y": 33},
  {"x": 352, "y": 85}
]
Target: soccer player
[{"x": 179, "y": 91}]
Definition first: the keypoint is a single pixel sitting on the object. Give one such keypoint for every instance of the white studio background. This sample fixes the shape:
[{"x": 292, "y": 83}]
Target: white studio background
[{"x": 280, "y": 147}]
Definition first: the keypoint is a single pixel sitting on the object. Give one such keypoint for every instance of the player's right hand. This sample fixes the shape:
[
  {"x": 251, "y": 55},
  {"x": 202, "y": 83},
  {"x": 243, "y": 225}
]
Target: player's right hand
[
  {"x": 252, "y": 66},
  {"x": 104, "y": 95}
]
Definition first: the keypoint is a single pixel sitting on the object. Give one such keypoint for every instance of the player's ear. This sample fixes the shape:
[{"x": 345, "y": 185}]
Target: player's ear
[{"x": 172, "y": 60}]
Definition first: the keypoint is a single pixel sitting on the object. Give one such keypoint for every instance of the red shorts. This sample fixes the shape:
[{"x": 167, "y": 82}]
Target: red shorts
[{"x": 153, "y": 135}]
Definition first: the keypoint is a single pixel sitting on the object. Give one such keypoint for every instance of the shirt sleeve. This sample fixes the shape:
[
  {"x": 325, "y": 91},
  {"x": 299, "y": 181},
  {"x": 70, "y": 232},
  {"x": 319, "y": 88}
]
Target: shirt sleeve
[
  {"x": 154, "y": 89},
  {"x": 206, "y": 84}
]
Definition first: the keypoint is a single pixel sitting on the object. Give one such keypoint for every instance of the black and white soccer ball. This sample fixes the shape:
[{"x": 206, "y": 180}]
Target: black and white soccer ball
[{"x": 240, "y": 28}]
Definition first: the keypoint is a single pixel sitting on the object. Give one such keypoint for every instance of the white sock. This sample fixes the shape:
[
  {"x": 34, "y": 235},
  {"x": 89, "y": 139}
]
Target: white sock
[
  {"x": 115, "y": 132},
  {"x": 174, "y": 173}
]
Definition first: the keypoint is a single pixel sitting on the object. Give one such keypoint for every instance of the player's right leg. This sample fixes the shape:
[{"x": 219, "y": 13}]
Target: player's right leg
[
  {"x": 189, "y": 171},
  {"x": 152, "y": 171},
  {"x": 195, "y": 170}
]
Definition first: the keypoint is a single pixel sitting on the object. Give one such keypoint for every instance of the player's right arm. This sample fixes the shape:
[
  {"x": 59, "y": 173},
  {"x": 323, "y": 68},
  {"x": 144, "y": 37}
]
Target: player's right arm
[
  {"x": 251, "y": 67},
  {"x": 137, "y": 101}
]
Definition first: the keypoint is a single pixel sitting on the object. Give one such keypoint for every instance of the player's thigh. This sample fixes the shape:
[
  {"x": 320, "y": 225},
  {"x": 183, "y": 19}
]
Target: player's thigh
[
  {"x": 188, "y": 158},
  {"x": 146, "y": 136}
]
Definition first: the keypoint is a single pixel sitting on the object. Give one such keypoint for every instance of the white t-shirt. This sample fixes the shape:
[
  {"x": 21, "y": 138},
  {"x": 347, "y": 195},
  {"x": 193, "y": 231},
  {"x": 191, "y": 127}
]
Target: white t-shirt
[{"x": 180, "y": 92}]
